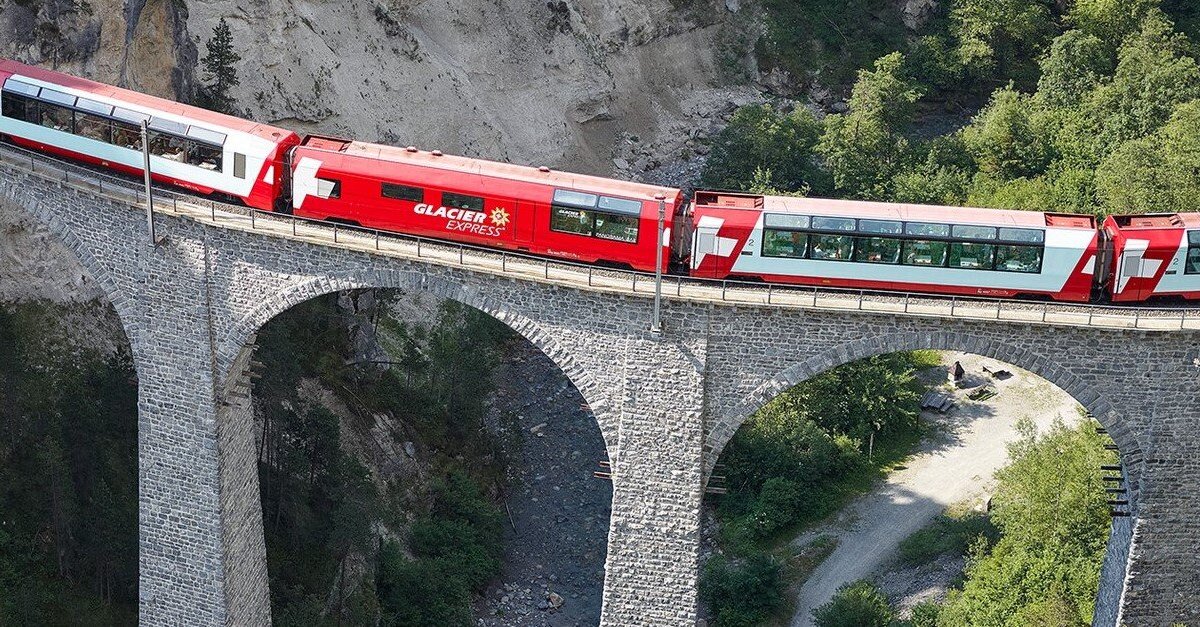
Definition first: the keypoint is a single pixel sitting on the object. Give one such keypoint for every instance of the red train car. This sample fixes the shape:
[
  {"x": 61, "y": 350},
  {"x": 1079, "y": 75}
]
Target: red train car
[
  {"x": 192, "y": 148},
  {"x": 538, "y": 210},
  {"x": 1154, "y": 255},
  {"x": 884, "y": 246}
]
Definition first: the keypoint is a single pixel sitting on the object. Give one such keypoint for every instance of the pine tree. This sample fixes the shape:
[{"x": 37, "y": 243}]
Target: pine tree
[{"x": 219, "y": 70}]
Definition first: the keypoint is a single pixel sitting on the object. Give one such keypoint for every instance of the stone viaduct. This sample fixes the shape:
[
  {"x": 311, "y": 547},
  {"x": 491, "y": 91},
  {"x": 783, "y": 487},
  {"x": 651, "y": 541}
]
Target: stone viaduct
[{"x": 666, "y": 403}]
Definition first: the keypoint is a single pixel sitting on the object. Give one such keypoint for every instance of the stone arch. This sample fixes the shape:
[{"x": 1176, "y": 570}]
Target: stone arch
[
  {"x": 234, "y": 343},
  {"x": 1086, "y": 394},
  {"x": 24, "y": 196}
]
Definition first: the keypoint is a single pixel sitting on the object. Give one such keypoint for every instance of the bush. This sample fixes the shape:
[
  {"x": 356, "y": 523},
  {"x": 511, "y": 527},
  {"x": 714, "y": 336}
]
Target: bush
[
  {"x": 741, "y": 594},
  {"x": 858, "y": 604},
  {"x": 947, "y": 534}
]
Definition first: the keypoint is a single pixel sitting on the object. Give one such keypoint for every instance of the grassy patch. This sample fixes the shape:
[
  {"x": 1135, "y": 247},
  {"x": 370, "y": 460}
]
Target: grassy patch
[{"x": 952, "y": 532}]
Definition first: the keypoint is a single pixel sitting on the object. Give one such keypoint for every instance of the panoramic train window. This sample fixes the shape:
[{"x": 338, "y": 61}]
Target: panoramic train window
[
  {"x": 927, "y": 229},
  {"x": 462, "y": 201},
  {"x": 1033, "y": 236},
  {"x": 57, "y": 117},
  {"x": 19, "y": 107},
  {"x": 877, "y": 249},
  {"x": 568, "y": 220},
  {"x": 1019, "y": 258},
  {"x": 784, "y": 243},
  {"x": 885, "y": 227},
  {"x": 1193, "y": 255},
  {"x": 833, "y": 224},
  {"x": 402, "y": 192},
  {"x": 126, "y": 135},
  {"x": 617, "y": 228},
  {"x": 925, "y": 252},
  {"x": 204, "y": 156},
  {"x": 973, "y": 232},
  {"x": 786, "y": 221},
  {"x": 620, "y": 205},
  {"x": 575, "y": 199},
  {"x": 168, "y": 146},
  {"x": 93, "y": 127},
  {"x": 975, "y": 256},
  {"x": 831, "y": 247}
]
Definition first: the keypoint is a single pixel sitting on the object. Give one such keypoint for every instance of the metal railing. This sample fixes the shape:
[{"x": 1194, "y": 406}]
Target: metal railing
[{"x": 583, "y": 276}]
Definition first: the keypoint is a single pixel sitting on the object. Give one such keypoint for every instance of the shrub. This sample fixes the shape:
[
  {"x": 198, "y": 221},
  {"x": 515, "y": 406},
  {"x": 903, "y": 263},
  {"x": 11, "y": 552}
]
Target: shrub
[
  {"x": 858, "y": 604},
  {"x": 741, "y": 594}
]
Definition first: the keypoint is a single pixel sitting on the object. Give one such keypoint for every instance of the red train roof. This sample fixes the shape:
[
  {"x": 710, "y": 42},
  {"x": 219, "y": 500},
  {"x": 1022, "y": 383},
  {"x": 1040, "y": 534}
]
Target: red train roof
[
  {"x": 895, "y": 211},
  {"x": 1157, "y": 221},
  {"x": 264, "y": 131},
  {"x": 483, "y": 167}
]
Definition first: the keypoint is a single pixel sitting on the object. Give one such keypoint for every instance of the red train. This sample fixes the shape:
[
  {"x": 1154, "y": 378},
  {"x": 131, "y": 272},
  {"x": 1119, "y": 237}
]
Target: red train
[{"x": 877, "y": 246}]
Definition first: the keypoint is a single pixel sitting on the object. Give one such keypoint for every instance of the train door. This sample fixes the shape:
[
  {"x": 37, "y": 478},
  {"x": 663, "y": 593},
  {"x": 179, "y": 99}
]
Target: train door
[
  {"x": 523, "y": 223},
  {"x": 704, "y": 242}
]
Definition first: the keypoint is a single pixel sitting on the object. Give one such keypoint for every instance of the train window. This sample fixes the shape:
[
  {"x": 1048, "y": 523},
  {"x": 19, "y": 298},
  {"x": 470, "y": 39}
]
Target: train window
[
  {"x": 887, "y": 227},
  {"x": 1193, "y": 254},
  {"x": 168, "y": 147},
  {"x": 207, "y": 136},
  {"x": 1033, "y": 236},
  {"x": 126, "y": 135},
  {"x": 786, "y": 221},
  {"x": 239, "y": 165},
  {"x": 927, "y": 229},
  {"x": 18, "y": 87},
  {"x": 19, "y": 108},
  {"x": 329, "y": 188},
  {"x": 784, "y": 244},
  {"x": 132, "y": 117},
  {"x": 204, "y": 156},
  {"x": 1019, "y": 258},
  {"x": 402, "y": 192},
  {"x": 975, "y": 256},
  {"x": 575, "y": 199},
  {"x": 877, "y": 249},
  {"x": 569, "y": 220},
  {"x": 925, "y": 252},
  {"x": 973, "y": 232},
  {"x": 462, "y": 201},
  {"x": 57, "y": 117},
  {"x": 168, "y": 126},
  {"x": 57, "y": 97},
  {"x": 831, "y": 247},
  {"x": 833, "y": 224},
  {"x": 620, "y": 205},
  {"x": 620, "y": 228},
  {"x": 93, "y": 127},
  {"x": 91, "y": 106}
]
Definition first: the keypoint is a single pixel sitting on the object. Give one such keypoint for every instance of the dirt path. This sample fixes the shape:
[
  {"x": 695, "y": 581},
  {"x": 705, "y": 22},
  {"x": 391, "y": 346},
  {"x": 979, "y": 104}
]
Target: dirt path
[
  {"x": 557, "y": 537},
  {"x": 954, "y": 467}
]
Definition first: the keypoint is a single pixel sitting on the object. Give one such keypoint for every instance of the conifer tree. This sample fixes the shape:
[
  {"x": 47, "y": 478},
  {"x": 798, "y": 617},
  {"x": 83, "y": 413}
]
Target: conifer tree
[{"x": 219, "y": 71}]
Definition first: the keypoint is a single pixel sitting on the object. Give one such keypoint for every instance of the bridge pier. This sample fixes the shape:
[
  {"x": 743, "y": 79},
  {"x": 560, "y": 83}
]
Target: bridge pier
[{"x": 654, "y": 534}]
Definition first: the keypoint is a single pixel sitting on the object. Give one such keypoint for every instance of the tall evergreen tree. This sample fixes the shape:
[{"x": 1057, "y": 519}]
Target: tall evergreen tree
[{"x": 219, "y": 71}]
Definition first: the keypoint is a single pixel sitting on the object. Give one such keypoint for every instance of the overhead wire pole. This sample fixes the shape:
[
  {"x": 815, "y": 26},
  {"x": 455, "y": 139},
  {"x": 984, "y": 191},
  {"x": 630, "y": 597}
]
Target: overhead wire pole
[
  {"x": 149, "y": 188},
  {"x": 656, "y": 323}
]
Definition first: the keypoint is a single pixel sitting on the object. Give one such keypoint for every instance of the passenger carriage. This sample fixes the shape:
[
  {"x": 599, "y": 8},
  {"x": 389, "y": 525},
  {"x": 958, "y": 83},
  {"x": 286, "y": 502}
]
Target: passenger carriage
[
  {"x": 883, "y": 246},
  {"x": 536, "y": 210},
  {"x": 192, "y": 148},
  {"x": 1154, "y": 255}
]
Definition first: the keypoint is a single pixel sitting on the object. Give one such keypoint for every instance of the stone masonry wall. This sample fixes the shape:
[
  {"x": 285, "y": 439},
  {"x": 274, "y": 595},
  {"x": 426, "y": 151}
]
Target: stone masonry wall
[{"x": 666, "y": 404}]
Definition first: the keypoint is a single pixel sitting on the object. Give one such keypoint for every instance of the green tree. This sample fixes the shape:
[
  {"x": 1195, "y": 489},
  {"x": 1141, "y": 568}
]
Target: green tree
[
  {"x": 741, "y": 594},
  {"x": 767, "y": 149},
  {"x": 858, "y": 604},
  {"x": 1003, "y": 141},
  {"x": 1001, "y": 38},
  {"x": 1052, "y": 512},
  {"x": 1076, "y": 65},
  {"x": 1110, "y": 20},
  {"x": 219, "y": 70},
  {"x": 865, "y": 147},
  {"x": 1157, "y": 173}
]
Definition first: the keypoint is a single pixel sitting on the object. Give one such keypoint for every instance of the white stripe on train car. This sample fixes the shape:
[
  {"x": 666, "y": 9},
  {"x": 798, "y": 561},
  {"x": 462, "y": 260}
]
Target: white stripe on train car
[
  {"x": 304, "y": 181},
  {"x": 1064, "y": 249},
  {"x": 1180, "y": 281}
]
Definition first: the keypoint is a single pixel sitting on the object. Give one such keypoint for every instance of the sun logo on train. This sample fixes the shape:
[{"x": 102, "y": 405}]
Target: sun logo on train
[{"x": 499, "y": 217}]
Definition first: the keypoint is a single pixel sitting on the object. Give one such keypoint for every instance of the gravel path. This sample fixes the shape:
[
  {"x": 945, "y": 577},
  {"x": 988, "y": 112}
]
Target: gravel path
[
  {"x": 557, "y": 537},
  {"x": 955, "y": 467}
]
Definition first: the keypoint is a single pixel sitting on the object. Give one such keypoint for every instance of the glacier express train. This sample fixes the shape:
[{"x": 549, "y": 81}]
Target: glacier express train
[{"x": 590, "y": 219}]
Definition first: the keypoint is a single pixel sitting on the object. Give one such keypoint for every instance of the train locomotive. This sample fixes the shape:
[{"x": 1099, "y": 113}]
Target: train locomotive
[{"x": 590, "y": 219}]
